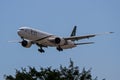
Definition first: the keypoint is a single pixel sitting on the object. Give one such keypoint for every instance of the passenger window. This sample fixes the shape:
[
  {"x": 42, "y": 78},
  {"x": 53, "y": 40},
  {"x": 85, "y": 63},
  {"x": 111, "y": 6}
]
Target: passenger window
[
  {"x": 33, "y": 33},
  {"x": 25, "y": 30}
]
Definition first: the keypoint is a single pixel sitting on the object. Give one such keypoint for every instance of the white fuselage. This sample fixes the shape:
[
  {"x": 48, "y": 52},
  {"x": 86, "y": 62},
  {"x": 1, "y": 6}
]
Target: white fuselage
[{"x": 42, "y": 38}]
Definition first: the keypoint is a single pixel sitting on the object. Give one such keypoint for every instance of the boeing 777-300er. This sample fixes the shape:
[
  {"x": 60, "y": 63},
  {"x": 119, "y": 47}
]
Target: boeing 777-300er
[{"x": 42, "y": 39}]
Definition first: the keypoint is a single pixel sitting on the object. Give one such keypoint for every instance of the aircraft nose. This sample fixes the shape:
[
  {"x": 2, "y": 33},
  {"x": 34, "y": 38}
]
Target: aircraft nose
[{"x": 19, "y": 31}]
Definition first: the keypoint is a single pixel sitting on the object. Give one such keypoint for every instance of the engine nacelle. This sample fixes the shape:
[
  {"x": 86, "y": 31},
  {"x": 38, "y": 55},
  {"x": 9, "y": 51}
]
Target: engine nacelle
[
  {"x": 59, "y": 41},
  {"x": 26, "y": 44}
]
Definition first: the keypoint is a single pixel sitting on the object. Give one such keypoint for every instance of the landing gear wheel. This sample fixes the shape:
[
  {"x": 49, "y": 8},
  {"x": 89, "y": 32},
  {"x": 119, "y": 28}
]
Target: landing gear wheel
[
  {"x": 41, "y": 50},
  {"x": 59, "y": 49}
]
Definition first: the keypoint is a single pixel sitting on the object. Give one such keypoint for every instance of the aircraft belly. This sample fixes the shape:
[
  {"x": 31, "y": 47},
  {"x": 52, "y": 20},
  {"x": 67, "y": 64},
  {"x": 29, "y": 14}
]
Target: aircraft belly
[
  {"x": 46, "y": 43},
  {"x": 67, "y": 46}
]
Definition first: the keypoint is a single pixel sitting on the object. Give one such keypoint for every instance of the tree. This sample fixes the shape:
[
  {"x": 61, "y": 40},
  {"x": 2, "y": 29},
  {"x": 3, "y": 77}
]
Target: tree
[{"x": 63, "y": 73}]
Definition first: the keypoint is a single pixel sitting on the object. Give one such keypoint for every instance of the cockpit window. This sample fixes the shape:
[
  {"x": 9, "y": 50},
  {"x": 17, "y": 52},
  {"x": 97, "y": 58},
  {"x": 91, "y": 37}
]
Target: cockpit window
[{"x": 21, "y": 29}]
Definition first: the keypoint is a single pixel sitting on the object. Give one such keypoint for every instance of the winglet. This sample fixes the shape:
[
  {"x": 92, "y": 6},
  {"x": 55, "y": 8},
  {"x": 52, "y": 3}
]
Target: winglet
[
  {"x": 111, "y": 32},
  {"x": 105, "y": 33},
  {"x": 74, "y": 31}
]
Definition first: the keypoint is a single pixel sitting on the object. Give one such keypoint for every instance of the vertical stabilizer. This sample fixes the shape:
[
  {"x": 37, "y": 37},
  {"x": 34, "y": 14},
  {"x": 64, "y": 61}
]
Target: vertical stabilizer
[{"x": 74, "y": 31}]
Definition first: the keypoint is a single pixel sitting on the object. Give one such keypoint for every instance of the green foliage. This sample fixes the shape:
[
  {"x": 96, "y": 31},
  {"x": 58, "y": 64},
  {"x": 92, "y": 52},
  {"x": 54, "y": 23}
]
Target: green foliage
[{"x": 63, "y": 73}]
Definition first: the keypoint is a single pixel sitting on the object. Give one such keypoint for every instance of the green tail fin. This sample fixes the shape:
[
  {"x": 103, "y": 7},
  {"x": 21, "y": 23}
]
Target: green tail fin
[{"x": 74, "y": 31}]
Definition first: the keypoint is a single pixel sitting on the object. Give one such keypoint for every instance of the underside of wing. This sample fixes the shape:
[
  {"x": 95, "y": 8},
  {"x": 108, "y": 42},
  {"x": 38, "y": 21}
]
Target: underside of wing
[
  {"x": 73, "y": 38},
  {"x": 84, "y": 43}
]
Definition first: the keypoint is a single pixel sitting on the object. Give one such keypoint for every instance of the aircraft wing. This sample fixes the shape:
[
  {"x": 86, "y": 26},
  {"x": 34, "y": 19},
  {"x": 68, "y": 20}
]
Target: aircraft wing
[
  {"x": 84, "y": 43},
  {"x": 74, "y": 38}
]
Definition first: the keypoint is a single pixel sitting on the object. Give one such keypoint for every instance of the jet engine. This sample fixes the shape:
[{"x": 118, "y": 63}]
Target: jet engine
[
  {"x": 59, "y": 41},
  {"x": 26, "y": 44}
]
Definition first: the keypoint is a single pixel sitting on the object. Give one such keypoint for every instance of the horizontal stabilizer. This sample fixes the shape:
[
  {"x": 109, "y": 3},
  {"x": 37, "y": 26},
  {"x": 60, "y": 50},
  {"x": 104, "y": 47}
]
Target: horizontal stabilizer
[{"x": 84, "y": 43}]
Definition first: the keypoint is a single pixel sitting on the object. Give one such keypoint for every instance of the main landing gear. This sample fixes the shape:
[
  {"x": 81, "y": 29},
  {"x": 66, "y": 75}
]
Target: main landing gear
[
  {"x": 41, "y": 50},
  {"x": 59, "y": 48}
]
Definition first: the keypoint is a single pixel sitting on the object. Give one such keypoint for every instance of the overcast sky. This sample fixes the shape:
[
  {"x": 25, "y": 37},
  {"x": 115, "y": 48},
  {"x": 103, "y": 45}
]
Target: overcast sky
[{"x": 58, "y": 17}]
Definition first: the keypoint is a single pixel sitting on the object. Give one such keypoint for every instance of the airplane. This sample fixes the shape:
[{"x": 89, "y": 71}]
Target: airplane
[{"x": 42, "y": 39}]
